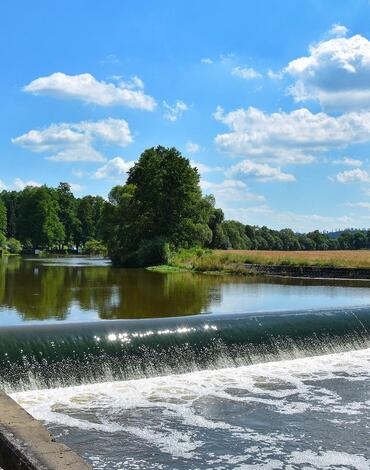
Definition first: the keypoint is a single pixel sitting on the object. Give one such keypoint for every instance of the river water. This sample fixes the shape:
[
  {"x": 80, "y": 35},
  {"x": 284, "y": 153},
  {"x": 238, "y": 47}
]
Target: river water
[{"x": 142, "y": 370}]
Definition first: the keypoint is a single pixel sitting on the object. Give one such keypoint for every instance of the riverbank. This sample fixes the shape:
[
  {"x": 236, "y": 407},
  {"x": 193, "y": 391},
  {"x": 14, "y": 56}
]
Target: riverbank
[
  {"x": 26, "y": 444},
  {"x": 311, "y": 264}
]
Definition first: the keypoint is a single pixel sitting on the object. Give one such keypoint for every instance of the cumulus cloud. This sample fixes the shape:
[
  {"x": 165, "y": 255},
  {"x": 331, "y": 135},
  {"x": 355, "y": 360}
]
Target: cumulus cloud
[
  {"x": 247, "y": 73},
  {"x": 348, "y": 162},
  {"x": 230, "y": 190},
  {"x": 207, "y": 60},
  {"x": 191, "y": 147},
  {"x": 202, "y": 168},
  {"x": 353, "y": 176},
  {"x": 289, "y": 137},
  {"x": 75, "y": 141},
  {"x": 362, "y": 205},
  {"x": 113, "y": 169},
  {"x": 336, "y": 73},
  {"x": 172, "y": 113},
  {"x": 19, "y": 184},
  {"x": 338, "y": 30},
  {"x": 2, "y": 185},
  {"x": 76, "y": 188},
  {"x": 261, "y": 171},
  {"x": 86, "y": 88}
]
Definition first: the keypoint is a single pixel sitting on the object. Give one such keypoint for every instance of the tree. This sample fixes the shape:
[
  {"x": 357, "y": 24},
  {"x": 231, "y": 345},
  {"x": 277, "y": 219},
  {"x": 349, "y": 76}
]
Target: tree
[
  {"x": 161, "y": 200},
  {"x": 38, "y": 218},
  {"x": 88, "y": 219},
  {"x": 67, "y": 211},
  {"x": 3, "y": 218}
]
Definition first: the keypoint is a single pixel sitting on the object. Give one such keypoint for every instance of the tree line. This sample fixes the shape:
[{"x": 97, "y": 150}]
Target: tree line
[
  {"x": 160, "y": 208},
  {"x": 48, "y": 218}
]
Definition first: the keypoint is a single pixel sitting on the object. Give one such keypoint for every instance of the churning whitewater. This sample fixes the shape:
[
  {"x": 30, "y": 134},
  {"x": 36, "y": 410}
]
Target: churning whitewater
[{"x": 309, "y": 413}]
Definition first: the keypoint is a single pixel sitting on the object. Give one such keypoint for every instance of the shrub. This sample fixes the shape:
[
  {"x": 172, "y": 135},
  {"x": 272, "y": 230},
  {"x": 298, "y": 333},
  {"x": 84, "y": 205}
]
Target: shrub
[
  {"x": 94, "y": 248},
  {"x": 14, "y": 246},
  {"x": 153, "y": 253}
]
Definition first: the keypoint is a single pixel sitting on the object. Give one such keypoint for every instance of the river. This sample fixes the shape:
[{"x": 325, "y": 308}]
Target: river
[{"x": 144, "y": 370}]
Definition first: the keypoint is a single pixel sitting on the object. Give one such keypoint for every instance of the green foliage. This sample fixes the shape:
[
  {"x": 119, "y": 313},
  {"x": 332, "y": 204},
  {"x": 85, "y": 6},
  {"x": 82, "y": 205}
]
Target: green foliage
[
  {"x": 150, "y": 253},
  {"x": 95, "y": 248},
  {"x": 2, "y": 241},
  {"x": 3, "y": 218},
  {"x": 14, "y": 246},
  {"x": 162, "y": 204}
]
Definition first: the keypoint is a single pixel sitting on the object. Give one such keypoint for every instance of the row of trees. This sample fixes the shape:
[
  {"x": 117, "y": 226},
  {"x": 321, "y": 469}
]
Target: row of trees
[
  {"x": 161, "y": 207},
  {"x": 49, "y": 218}
]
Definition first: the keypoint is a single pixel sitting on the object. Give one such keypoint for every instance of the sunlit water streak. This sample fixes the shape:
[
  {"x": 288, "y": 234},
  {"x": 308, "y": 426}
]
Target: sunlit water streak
[{"x": 304, "y": 413}]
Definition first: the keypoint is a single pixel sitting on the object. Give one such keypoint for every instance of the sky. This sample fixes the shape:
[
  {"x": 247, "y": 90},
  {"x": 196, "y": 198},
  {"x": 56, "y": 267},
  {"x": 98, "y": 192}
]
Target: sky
[{"x": 270, "y": 100}]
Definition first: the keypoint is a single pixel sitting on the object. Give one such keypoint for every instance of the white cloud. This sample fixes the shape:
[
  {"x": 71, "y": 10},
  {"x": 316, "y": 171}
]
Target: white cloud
[
  {"x": 275, "y": 75},
  {"x": 202, "y": 168},
  {"x": 338, "y": 30},
  {"x": 113, "y": 169},
  {"x": 348, "y": 162},
  {"x": 172, "y": 113},
  {"x": 362, "y": 205},
  {"x": 247, "y": 73},
  {"x": 207, "y": 60},
  {"x": 74, "y": 141},
  {"x": 191, "y": 147},
  {"x": 19, "y": 184},
  {"x": 353, "y": 176},
  {"x": 336, "y": 73},
  {"x": 261, "y": 171},
  {"x": 86, "y": 88},
  {"x": 76, "y": 188},
  {"x": 230, "y": 190},
  {"x": 289, "y": 137}
]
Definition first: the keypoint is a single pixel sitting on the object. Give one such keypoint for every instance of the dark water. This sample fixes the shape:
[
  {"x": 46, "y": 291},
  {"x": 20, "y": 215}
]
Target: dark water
[
  {"x": 248, "y": 373},
  {"x": 77, "y": 289}
]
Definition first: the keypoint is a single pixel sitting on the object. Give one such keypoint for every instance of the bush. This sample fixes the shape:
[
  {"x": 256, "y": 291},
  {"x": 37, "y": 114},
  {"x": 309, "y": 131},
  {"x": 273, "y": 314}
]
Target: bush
[
  {"x": 2, "y": 240},
  {"x": 14, "y": 246},
  {"x": 94, "y": 248},
  {"x": 153, "y": 253}
]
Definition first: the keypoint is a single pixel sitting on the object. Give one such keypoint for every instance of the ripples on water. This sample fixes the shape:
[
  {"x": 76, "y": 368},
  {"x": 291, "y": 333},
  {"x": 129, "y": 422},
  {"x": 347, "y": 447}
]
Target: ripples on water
[
  {"x": 305, "y": 413},
  {"x": 297, "y": 413}
]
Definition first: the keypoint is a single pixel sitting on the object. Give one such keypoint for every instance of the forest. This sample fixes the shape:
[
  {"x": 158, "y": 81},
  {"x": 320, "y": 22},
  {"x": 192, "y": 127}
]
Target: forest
[{"x": 158, "y": 210}]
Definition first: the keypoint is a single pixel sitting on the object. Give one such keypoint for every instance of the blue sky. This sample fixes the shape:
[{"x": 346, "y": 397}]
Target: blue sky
[{"x": 269, "y": 99}]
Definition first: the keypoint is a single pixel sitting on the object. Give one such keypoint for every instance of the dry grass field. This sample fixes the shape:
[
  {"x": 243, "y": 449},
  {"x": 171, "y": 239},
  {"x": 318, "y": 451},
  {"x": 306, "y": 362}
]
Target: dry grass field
[
  {"x": 235, "y": 260},
  {"x": 338, "y": 258}
]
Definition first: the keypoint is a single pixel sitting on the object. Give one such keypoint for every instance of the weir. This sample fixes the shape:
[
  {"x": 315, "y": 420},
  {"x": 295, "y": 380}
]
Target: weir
[{"x": 59, "y": 355}]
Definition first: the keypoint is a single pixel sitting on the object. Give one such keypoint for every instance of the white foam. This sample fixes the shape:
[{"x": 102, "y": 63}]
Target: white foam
[{"x": 182, "y": 404}]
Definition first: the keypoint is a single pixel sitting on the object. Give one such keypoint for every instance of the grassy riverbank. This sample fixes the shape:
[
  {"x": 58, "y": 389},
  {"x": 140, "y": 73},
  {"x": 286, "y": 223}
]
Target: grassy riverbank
[{"x": 235, "y": 261}]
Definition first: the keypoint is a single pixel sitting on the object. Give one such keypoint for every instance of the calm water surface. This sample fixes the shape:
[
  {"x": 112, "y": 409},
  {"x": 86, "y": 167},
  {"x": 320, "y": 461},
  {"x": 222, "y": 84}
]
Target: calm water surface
[{"x": 80, "y": 289}]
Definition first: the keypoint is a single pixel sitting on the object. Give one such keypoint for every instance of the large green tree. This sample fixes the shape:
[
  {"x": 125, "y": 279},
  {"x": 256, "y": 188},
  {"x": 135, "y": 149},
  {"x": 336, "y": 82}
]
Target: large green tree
[{"x": 161, "y": 202}]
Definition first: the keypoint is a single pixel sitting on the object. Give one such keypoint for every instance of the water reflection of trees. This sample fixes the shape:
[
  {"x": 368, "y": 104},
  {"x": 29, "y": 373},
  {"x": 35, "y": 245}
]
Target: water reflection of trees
[{"x": 40, "y": 291}]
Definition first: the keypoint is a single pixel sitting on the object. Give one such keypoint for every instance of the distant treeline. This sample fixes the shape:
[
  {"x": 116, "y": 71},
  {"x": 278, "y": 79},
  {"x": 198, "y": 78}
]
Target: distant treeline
[
  {"x": 159, "y": 209},
  {"x": 49, "y": 218}
]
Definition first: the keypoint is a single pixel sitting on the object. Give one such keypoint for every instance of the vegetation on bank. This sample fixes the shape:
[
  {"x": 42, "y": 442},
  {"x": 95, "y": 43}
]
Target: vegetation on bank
[
  {"x": 240, "y": 261},
  {"x": 159, "y": 212}
]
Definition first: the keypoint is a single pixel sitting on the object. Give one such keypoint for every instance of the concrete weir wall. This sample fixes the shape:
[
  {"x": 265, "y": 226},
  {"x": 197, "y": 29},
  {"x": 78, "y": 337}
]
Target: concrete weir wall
[{"x": 25, "y": 444}]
